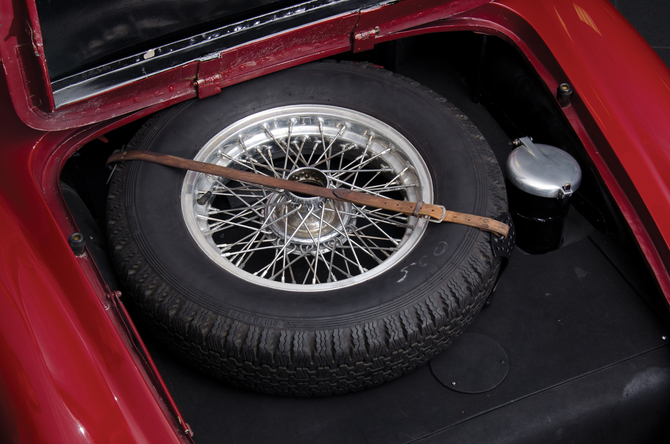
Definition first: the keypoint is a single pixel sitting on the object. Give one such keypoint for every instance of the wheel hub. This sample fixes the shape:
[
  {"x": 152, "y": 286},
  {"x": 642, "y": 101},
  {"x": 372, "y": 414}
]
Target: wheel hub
[{"x": 307, "y": 220}]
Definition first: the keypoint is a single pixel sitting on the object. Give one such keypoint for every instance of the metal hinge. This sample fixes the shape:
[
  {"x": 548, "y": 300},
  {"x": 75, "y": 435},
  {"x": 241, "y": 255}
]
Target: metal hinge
[
  {"x": 208, "y": 86},
  {"x": 365, "y": 40},
  {"x": 208, "y": 80}
]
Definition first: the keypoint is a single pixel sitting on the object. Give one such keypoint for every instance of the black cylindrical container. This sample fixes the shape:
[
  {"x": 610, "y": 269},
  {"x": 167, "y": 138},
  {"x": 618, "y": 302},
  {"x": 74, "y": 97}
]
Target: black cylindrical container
[
  {"x": 539, "y": 221},
  {"x": 541, "y": 179}
]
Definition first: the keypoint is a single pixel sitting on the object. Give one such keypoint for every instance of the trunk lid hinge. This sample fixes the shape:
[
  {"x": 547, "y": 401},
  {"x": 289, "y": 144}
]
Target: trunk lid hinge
[
  {"x": 208, "y": 80},
  {"x": 365, "y": 40}
]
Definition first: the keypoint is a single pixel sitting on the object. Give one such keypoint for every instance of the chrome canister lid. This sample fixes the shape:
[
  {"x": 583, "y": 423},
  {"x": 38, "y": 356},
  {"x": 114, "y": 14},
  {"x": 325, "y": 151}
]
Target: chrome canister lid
[{"x": 543, "y": 170}]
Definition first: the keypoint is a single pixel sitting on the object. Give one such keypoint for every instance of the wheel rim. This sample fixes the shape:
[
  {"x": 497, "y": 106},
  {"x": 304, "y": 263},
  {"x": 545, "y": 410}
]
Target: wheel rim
[{"x": 282, "y": 240}]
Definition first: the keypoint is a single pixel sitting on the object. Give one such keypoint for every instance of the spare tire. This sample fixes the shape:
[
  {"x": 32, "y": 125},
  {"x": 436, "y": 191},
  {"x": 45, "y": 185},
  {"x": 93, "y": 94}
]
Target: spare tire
[{"x": 296, "y": 295}]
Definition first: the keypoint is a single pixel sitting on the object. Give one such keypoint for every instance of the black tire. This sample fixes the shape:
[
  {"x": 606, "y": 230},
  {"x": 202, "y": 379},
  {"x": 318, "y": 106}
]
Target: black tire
[{"x": 306, "y": 343}]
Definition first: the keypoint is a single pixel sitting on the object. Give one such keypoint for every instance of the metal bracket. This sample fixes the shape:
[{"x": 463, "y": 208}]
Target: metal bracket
[
  {"x": 208, "y": 80},
  {"x": 503, "y": 246},
  {"x": 528, "y": 143},
  {"x": 565, "y": 192},
  {"x": 365, "y": 40}
]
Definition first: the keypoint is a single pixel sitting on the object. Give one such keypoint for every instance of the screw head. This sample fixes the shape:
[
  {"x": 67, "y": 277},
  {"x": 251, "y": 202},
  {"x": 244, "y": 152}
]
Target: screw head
[
  {"x": 565, "y": 88},
  {"x": 77, "y": 243}
]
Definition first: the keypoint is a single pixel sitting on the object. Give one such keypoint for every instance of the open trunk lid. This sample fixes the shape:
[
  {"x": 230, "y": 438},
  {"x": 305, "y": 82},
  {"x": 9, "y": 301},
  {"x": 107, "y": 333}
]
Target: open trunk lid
[{"x": 71, "y": 63}]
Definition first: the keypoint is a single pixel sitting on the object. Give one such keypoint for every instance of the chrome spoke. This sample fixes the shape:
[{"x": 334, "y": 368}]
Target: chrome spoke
[
  {"x": 248, "y": 252},
  {"x": 312, "y": 152},
  {"x": 377, "y": 227},
  {"x": 351, "y": 243},
  {"x": 246, "y": 243},
  {"x": 287, "y": 266},
  {"x": 241, "y": 199},
  {"x": 222, "y": 224},
  {"x": 331, "y": 156},
  {"x": 388, "y": 188},
  {"x": 267, "y": 161},
  {"x": 379, "y": 215},
  {"x": 244, "y": 163},
  {"x": 366, "y": 247},
  {"x": 356, "y": 188},
  {"x": 284, "y": 250},
  {"x": 347, "y": 261},
  {"x": 362, "y": 164},
  {"x": 299, "y": 151}
]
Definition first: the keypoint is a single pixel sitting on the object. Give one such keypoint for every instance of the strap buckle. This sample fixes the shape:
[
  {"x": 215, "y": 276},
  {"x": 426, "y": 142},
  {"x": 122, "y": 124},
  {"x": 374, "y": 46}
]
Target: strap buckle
[{"x": 441, "y": 219}]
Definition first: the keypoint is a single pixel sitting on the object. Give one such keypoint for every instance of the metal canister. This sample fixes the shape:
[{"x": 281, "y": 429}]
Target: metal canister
[{"x": 541, "y": 178}]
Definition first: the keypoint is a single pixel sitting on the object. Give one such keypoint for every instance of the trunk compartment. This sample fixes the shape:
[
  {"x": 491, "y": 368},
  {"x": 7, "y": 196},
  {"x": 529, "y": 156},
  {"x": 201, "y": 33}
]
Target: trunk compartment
[{"x": 584, "y": 328}]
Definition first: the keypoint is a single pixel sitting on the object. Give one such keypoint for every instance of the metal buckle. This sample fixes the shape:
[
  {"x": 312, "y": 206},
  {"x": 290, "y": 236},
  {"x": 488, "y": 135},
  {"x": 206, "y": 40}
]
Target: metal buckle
[{"x": 437, "y": 221}]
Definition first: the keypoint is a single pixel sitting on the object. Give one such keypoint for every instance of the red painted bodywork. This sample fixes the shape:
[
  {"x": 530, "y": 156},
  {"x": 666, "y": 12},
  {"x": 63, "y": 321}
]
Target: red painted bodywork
[{"x": 73, "y": 370}]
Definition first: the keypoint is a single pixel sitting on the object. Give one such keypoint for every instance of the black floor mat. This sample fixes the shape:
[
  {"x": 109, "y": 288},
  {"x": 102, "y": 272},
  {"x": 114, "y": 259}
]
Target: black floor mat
[{"x": 586, "y": 356}]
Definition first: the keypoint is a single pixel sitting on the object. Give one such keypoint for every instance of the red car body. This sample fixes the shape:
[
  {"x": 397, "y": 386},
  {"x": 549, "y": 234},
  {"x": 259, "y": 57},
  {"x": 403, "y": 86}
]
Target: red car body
[{"x": 73, "y": 368}]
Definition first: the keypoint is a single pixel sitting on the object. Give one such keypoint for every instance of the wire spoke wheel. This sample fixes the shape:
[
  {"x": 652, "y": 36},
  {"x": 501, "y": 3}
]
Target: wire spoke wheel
[
  {"x": 283, "y": 240},
  {"x": 291, "y": 294}
]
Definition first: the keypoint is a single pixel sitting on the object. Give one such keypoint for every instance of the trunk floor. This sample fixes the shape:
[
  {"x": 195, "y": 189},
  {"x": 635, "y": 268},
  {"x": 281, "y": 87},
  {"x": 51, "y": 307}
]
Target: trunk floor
[{"x": 587, "y": 359}]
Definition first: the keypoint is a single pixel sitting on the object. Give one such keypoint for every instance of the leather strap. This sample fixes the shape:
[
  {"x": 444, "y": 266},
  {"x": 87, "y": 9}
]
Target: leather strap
[{"x": 436, "y": 213}]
